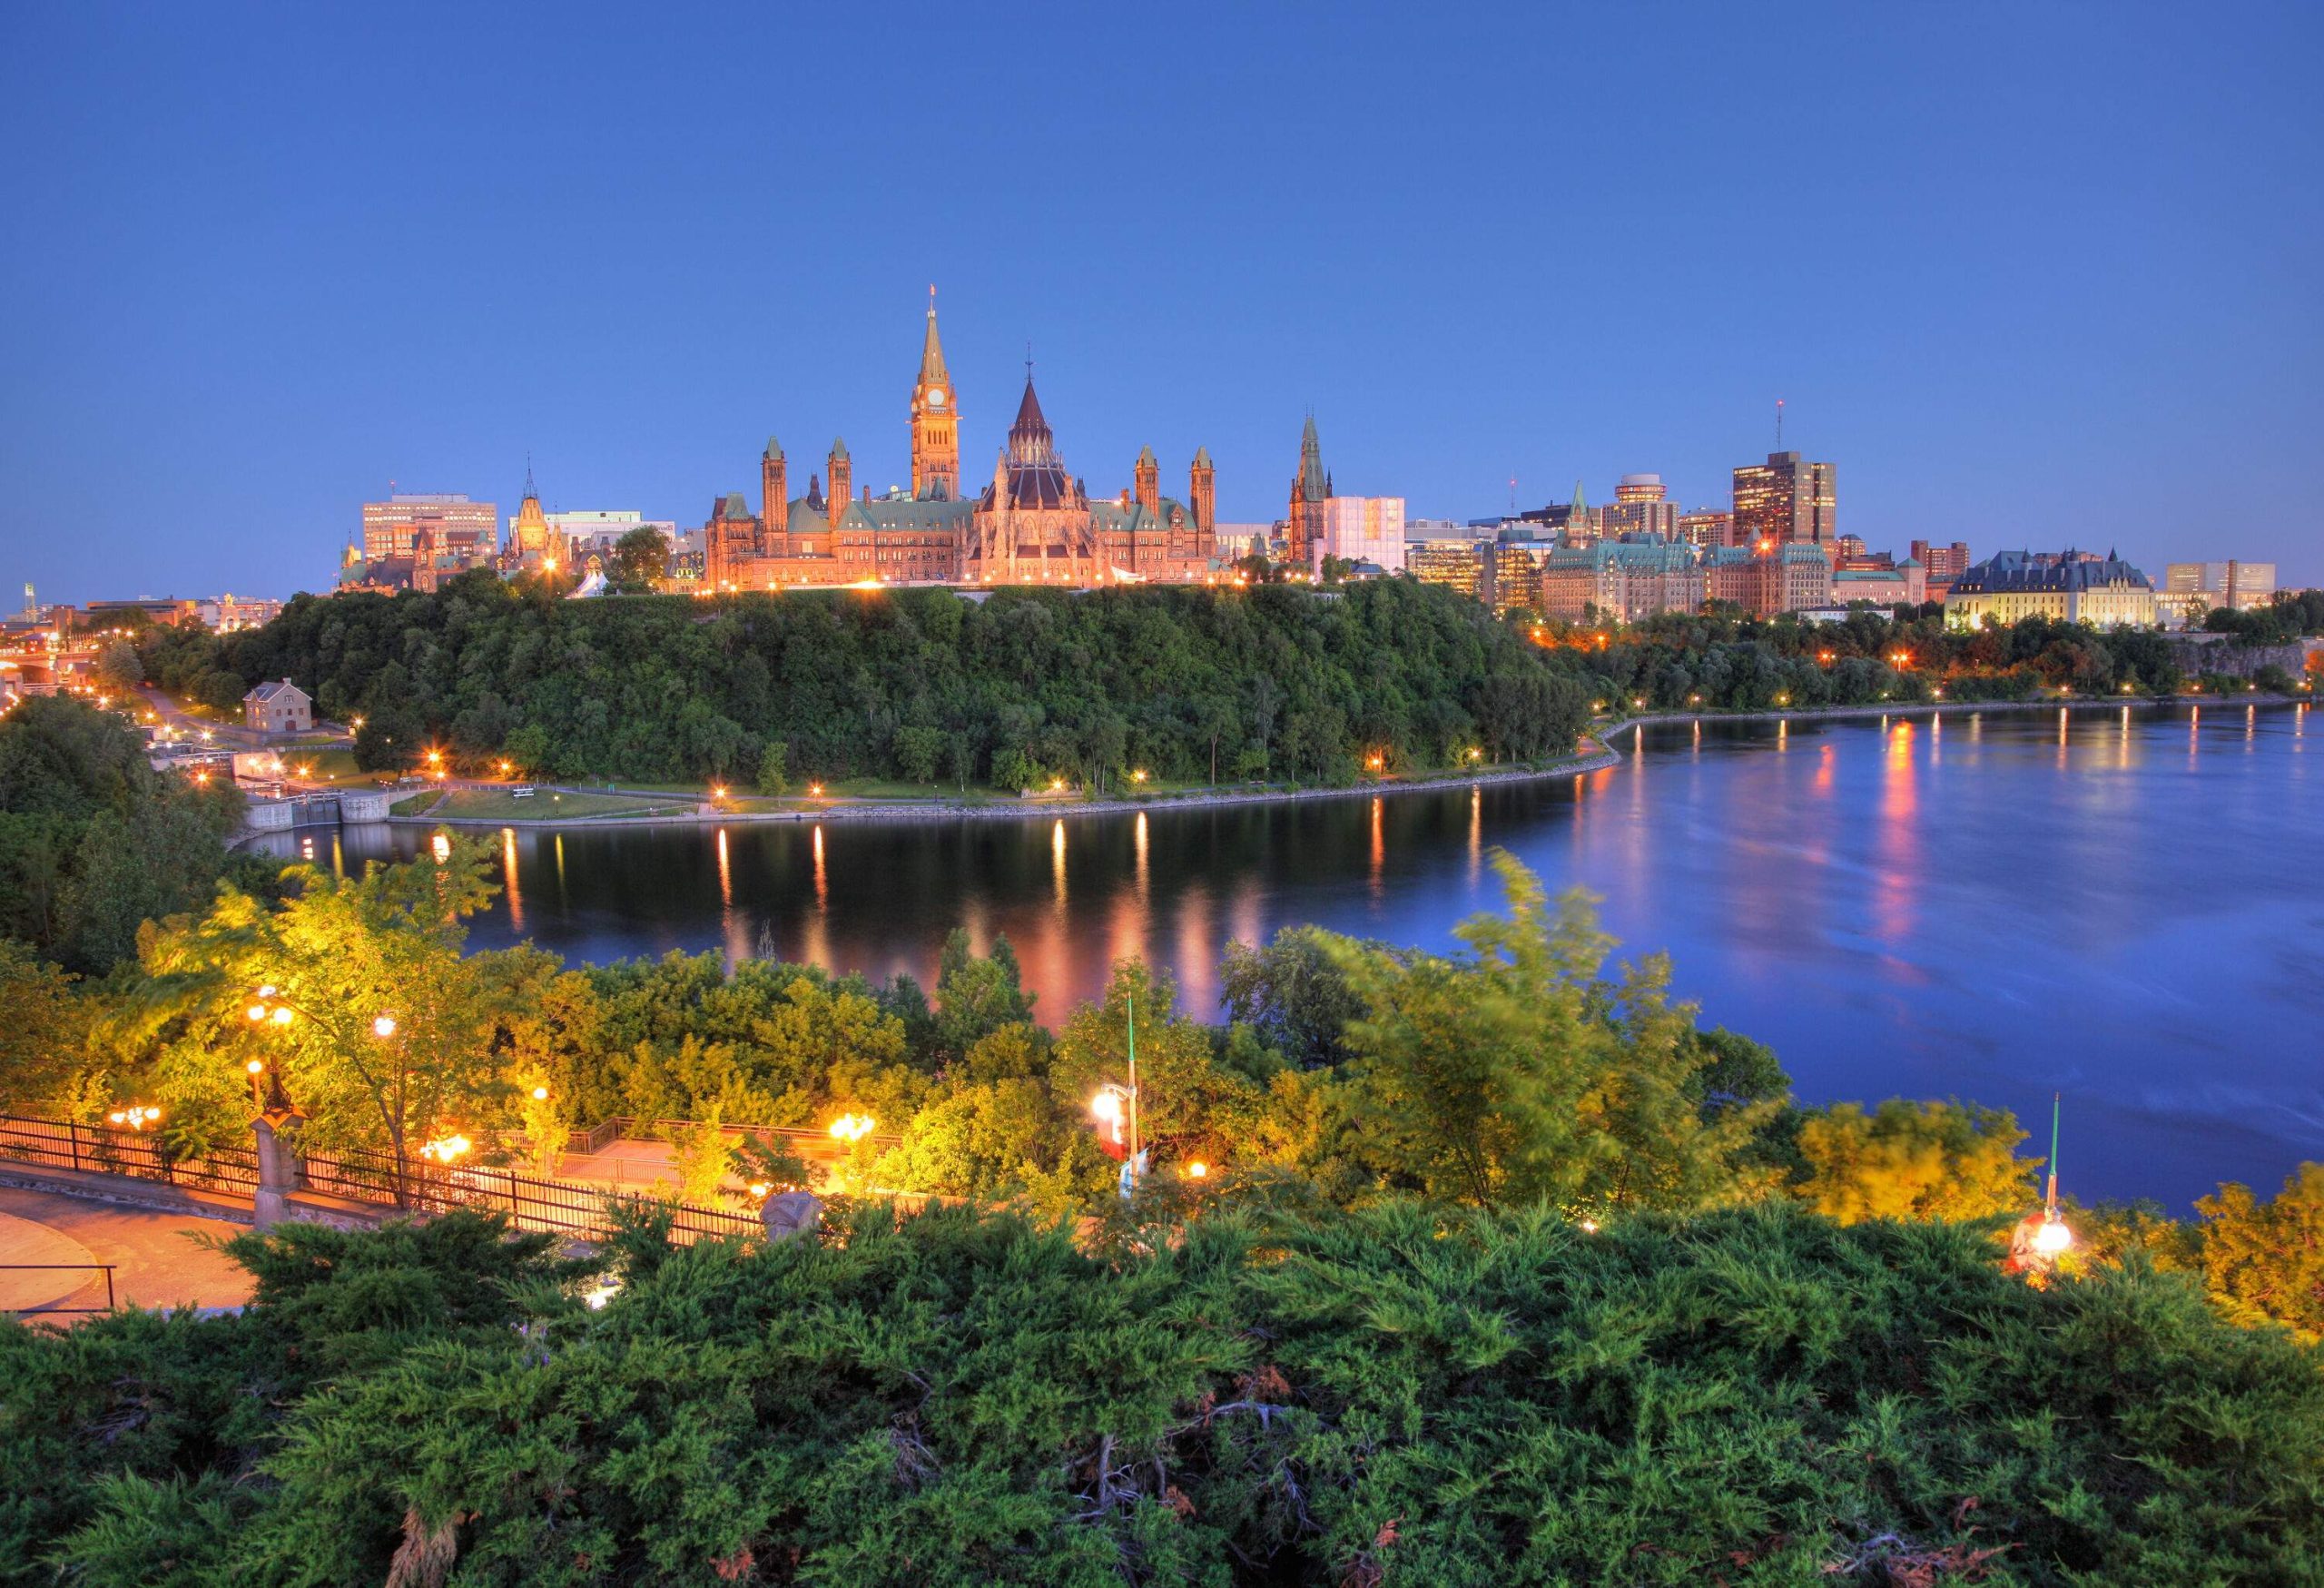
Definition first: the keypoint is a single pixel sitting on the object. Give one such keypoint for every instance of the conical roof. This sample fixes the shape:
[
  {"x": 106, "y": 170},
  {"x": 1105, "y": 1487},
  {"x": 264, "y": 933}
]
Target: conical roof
[
  {"x": 931, "y": 351},
  {"x": 774, "y": 448},
  {"x": 1037, "y": 477},
  {"x": 1312, "y": 483}
]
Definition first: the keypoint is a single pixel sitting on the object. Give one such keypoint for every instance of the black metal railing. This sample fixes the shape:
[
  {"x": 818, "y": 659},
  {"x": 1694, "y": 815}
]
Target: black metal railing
[
  {"x": 581, "y": 1211},
  {"x": 50, "y": 1307},
  {"x": 106, "y": 1150}
]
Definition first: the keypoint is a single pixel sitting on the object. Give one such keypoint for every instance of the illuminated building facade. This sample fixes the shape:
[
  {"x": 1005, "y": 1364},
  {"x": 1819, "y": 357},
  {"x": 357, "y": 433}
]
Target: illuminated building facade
[
  {"x": 1782, "y": 578},
  {"x": 1621, "y": 579},
  {"x": 1364, "y": 530},
  {"x": 393, "y": 527},
  {"x": 1784, "y": 500},
  {"x": 1640, "y": 506},
  {"x": 2071, "y": 586},
  {"x": 1034, "y": 523},
  {"x": 1705, "y": 527}
]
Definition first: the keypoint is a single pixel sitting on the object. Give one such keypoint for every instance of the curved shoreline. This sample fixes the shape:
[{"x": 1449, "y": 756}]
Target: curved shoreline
[{"x": 1605, "y": 757}]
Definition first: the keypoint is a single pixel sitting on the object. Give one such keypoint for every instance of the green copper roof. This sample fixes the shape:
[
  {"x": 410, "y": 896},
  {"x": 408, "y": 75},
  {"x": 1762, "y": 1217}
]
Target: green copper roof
[
  {"x": 774, "y": 448},
  {"x": 838, "y": 451},
  {"x": 1201, "y": 458},
  {"x": 1145, "y": 455}
]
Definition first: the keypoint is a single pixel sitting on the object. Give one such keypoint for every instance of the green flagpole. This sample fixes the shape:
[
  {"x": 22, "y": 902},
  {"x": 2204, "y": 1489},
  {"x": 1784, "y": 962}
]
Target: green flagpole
[
  {"x": 2051, "y": 1201},
  {"x": 1130, "y": 1002}
]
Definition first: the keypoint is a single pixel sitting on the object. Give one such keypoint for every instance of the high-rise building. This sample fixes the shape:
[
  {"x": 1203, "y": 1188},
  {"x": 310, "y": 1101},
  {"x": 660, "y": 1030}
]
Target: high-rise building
[
  {"x": 1705, "y": 527},
  {"x": 1944, "y": 564},
  {"x": 393, "y": 527},
  {"x": 1784, "y": 500},
  {"x": 1640, "y": 506}
]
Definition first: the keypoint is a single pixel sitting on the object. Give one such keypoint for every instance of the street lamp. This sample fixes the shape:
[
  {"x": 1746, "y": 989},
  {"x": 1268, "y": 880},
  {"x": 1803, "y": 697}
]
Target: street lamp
[{"x": 852, "y": 1128}]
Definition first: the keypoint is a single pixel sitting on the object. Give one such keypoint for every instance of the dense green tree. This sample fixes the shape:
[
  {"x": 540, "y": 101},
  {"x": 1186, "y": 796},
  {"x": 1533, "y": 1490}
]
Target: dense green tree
[
  {"x": 93, "y": 841},
  {"x": 2264, "y": 1261},
  {"x": 1515, "y": 1074},
  {"x": 1949, "y": 1160}
]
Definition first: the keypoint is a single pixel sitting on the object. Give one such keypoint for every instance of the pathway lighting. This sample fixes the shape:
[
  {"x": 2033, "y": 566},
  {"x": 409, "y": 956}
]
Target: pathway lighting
[
  {"x": 441, "y": 847},
  {"x": 852, "y": 1128},
  {"x": 282, "y": 1015},
  {"x": 446, "y": 1148},
  {"x": 816, "y": 789},
  {"x": 1783, "y": 700},
  {"x": 1198, "y": 1170},
  {"x": 383, "y": 1026},
  {"x": 540, "y": 1094},
  {"x": 135, "y": 1117},
  {"x": 1138, "y": 776}
]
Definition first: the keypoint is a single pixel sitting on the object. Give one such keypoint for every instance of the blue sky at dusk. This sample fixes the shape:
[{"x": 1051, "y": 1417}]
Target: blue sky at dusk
[{"x": 2028, "y": 273}]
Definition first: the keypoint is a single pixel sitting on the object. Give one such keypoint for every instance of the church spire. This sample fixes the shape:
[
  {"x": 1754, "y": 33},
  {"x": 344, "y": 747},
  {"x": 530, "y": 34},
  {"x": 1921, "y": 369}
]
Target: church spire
[
  {"x": 1312, "y": 483},
  {"x": 931, "y": 351}
]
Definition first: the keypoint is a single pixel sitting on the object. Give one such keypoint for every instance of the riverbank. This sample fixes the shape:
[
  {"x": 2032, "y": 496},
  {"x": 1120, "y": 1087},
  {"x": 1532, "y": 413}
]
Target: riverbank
[
  {"x": 1597, "y": 757},
  {"x": 1599, "y": 753}
]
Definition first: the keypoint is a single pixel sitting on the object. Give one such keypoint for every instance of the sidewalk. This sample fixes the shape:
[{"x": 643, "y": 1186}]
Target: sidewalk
[{"x": 158, "y": 1261}]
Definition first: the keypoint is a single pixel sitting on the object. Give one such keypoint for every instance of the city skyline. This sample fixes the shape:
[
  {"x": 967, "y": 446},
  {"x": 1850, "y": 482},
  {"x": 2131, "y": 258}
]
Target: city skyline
[{"x": 2060, "y": 299}]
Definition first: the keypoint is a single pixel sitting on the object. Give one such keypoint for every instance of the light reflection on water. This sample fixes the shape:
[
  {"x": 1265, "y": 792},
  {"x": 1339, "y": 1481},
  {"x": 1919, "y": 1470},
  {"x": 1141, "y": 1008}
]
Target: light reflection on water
[{"x": 1975, "y": 907}]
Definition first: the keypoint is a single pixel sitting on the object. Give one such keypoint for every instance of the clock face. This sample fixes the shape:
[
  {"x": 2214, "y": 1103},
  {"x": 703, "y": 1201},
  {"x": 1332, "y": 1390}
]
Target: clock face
[{"x": 936, "y": 397}]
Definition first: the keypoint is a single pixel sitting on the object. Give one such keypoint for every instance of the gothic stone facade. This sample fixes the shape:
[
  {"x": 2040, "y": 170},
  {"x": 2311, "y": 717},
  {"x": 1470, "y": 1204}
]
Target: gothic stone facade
[{"x": 1034, "y": 523}]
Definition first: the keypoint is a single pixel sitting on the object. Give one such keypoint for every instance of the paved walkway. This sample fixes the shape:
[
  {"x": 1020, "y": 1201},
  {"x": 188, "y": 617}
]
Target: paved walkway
[{"x": 157, "y": 1262}]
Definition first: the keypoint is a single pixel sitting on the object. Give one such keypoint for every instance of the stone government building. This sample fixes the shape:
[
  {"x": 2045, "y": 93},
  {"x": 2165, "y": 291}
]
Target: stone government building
[{"x": 1034, "y": 523}]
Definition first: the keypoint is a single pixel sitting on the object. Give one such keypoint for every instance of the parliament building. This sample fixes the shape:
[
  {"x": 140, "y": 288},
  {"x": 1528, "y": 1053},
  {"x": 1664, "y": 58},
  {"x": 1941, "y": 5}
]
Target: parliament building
[{"x": 1033, "y": 524}]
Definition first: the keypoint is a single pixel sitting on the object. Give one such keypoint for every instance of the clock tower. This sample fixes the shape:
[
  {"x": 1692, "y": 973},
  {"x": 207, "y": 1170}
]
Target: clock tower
[{"x": 935, "y": 422}]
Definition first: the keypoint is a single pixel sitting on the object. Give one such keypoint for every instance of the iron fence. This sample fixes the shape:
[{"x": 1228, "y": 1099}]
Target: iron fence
[
  {"x": 582, "y": 1212},
  {"x": 102, "y": 1148}
]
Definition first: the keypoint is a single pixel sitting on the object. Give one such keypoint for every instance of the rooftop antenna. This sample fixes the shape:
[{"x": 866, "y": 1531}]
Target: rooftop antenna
[
  {"x": 1512, "y": 495},
  {"x": 1778, "y": 424}
]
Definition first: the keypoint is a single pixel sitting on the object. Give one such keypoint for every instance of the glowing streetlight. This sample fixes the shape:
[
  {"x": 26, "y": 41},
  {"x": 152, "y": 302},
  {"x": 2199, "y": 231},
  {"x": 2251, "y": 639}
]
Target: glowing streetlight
[
  {"x": 1198, "y": 1170},
  {"x": 816, "y": 789},
  {"x": 383, "y": 1026},
  {"x": 446, "y": 1148},
  {"x": 135, "y": 1117},
  {"x": 852, "y": 1128},
  {"x": 1138, "y": 776}
]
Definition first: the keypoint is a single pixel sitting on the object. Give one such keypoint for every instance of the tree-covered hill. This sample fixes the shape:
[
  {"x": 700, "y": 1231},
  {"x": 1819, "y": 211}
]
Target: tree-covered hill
[{"x": 921, "y": 684}]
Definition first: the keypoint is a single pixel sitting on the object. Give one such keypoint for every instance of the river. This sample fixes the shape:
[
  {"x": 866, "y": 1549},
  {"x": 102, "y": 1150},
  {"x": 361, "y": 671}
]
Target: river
[{"x": 2126, "y": 906}]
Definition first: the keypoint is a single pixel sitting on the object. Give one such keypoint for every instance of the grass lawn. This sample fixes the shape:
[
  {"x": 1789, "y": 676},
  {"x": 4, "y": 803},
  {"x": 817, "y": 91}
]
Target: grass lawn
[{"x": 546, "y": 805}]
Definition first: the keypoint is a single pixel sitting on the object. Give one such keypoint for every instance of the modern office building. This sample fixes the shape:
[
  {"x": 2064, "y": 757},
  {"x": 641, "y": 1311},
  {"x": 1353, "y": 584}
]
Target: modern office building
[
  {"x": 1784, "y": 500},
  {"x": 1364, "y": 530},
  {"x": 1641, "y": 506},
  {"x": 1705, "y": 527},
  {"x": 393, "y": 527},
  {"x": 1944, "y": 564},
  {"x": 2071, "y": 587},
  {"x": 1466, "y": 566},
  {"x": 2192, "y": 588}
]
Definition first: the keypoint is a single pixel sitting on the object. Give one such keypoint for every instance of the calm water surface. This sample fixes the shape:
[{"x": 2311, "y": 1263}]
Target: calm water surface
[{"x": 2122, "y": 905}]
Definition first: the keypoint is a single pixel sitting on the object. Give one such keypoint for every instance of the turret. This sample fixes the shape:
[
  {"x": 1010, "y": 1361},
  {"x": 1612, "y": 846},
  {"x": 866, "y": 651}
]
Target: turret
[
  {"x": 1149, "y": 482},
  {"x": 774, "y": 498},
  {"x": 841, "y": 470},
  {"x": 1202, "y": 492}
]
